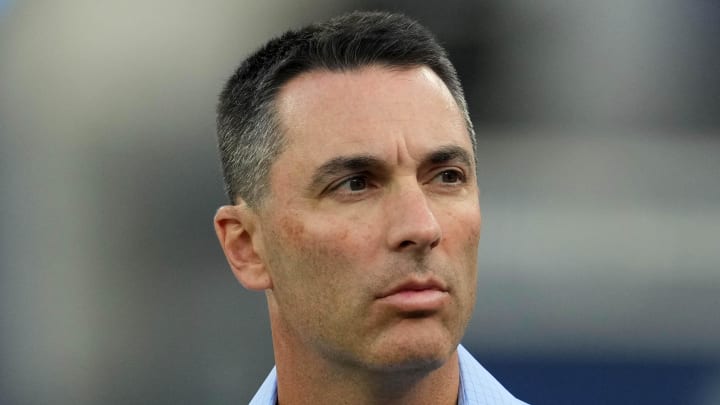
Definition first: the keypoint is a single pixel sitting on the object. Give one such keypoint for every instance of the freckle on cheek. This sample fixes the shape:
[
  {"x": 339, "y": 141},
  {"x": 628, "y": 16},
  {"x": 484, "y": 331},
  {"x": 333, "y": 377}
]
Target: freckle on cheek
[
  {"x": 344, "y": 235},
  {"x": 292, "y": 228},
  {"x": 313, "y": 239}
]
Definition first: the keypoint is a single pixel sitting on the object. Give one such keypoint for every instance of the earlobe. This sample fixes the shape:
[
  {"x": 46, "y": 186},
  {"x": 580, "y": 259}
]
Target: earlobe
[{"x": 234, "y": 226}]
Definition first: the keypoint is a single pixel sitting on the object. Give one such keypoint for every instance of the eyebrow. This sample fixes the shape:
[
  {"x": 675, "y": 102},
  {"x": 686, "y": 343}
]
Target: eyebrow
[
  {"x": 363, "y": 162},
  {"x": 449, "y": 153}
]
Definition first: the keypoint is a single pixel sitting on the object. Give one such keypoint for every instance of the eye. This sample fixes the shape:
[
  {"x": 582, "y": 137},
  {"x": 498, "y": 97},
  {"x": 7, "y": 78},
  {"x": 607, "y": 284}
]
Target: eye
[
  {"x": 450, "y": 176},
  {"x": 352, "y": 184},
  {"x": 357, "y": 183}
]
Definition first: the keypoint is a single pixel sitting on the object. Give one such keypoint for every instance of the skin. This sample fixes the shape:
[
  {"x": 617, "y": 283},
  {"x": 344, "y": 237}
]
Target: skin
[{"x": 375, "y": 188}]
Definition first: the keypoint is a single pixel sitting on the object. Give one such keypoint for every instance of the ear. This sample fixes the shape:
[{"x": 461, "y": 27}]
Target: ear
[{"x": 235, "y": 225}]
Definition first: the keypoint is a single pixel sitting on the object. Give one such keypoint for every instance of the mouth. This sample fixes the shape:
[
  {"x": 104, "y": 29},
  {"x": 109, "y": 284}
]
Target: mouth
[{"x": 415, "y": 296}]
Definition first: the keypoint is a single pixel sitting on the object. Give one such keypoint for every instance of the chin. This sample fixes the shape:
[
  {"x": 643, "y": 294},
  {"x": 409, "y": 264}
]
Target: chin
[
  {"x": 423, "y": 364},
  {"x": 419, "y": 353}
]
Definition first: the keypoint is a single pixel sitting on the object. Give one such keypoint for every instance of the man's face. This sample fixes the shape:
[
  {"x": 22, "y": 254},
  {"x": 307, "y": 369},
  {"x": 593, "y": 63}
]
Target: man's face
[{"x": 371, "y": 227}]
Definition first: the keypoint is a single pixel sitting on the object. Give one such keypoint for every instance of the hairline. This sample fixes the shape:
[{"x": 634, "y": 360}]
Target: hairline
[{"x": 272, "y": 113}]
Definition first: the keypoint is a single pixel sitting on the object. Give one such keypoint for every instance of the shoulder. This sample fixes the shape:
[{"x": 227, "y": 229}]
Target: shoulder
[{"x": 478, "y": 386}]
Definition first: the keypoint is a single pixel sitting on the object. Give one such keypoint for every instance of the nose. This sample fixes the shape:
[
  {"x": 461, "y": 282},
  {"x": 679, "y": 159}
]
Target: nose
[{"x": 412, "y": 225}]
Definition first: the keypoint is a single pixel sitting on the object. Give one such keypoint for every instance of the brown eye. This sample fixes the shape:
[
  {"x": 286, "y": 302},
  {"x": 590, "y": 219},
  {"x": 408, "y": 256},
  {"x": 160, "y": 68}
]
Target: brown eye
[
  {"x": 357, "y": 183},
  {"x": 451, "y": 176},
  {"x": 354, "y": 187}
]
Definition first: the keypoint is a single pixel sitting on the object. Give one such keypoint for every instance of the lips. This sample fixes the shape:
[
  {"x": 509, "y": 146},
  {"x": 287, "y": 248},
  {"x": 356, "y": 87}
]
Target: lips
[{"x": 415, "y": 295}]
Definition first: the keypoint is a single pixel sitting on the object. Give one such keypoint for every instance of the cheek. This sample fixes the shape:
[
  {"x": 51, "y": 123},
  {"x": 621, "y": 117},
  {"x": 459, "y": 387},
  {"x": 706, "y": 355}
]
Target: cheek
[
  {"x": 462, "y": 227},
  {"x": 462, "y": 235},
  {"x": 323, "y": 238},
  {"x": 314, "y": 260},
  {"x": 314, "y": 266}
]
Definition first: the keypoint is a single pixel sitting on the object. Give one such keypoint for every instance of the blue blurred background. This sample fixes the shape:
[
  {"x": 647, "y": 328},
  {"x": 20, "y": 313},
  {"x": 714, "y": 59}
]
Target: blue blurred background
[{"x": 599, "y": 125}]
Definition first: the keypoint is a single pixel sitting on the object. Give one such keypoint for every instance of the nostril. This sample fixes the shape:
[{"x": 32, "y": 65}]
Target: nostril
[{"x": 406, "y": 243}]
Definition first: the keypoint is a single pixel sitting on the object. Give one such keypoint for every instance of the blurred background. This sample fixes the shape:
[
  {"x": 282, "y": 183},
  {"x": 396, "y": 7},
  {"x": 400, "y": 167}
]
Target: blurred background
[{"x": 599, "y": 142}]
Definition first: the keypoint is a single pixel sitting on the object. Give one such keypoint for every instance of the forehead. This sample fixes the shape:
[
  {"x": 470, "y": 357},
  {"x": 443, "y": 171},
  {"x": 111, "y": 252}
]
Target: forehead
[{"x": 369, "y": 110}]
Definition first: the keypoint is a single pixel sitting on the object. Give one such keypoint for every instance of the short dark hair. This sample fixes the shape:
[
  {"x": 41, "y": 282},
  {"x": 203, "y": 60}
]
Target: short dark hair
[{"x": 249, "y": 134}]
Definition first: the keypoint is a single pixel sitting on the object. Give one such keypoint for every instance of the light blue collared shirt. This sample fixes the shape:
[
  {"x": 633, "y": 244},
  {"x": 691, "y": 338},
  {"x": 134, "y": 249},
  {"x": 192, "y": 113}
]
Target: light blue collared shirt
[{"x": 477, "y": 386}]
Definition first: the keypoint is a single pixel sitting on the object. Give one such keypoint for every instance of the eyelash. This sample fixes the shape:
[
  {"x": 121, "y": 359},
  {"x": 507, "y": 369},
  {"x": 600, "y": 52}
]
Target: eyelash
[
  {"x": 461, "y": 179},
  {"x": 348, "y": 180}
]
